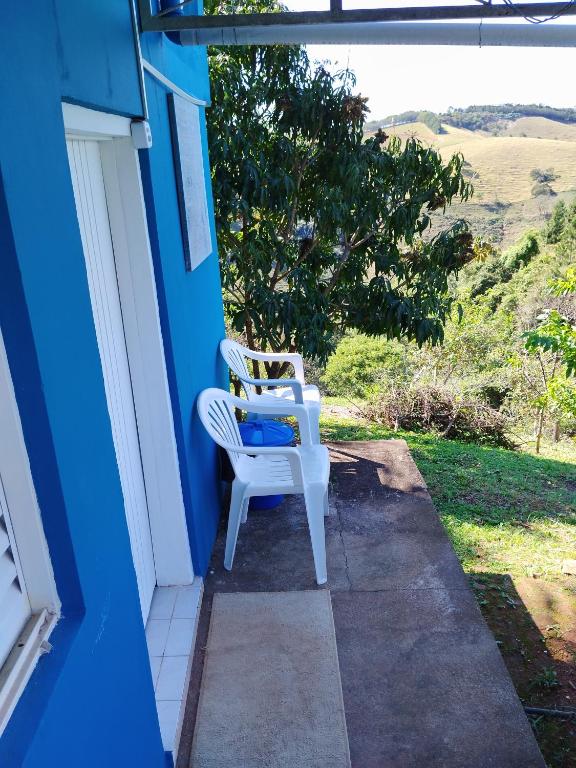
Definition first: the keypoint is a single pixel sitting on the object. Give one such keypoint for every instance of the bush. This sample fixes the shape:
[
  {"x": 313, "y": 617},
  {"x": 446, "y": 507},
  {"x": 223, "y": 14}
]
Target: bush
[
  {"x": 361, "y": 364},
  {"x": 555, "y": 227},
  {"x": 438, "y": 409},
  {"x": 541, "y": 189},
  {"x": 545, "y": 176},
  {"x": 523, "y": 252}
]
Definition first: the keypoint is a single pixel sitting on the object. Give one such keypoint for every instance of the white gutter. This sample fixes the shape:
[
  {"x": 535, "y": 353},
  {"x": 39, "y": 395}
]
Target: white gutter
[{"x": 389, "y": 33}]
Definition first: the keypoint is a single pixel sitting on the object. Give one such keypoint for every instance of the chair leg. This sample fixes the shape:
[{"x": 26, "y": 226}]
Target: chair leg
[
  {"x": 314, "y": 498},
  {"x": 234, "y": 518},
  {"x": 245, "y": 505},
  {"x": 326, "y": 504}
]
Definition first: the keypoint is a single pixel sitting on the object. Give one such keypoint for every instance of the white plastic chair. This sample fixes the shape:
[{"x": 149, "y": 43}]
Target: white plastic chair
[
  {"x": 262, "y": 471},
  {"x": 284, "y": 390}
]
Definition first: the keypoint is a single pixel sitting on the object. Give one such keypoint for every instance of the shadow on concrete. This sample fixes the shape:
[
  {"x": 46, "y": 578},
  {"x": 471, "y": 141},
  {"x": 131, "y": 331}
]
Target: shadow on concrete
[{"x": 423, "y": 681}]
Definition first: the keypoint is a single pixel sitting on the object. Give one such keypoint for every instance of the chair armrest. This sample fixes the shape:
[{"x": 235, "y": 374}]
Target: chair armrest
[
  {"x": 288, "y": 452},
  {"x": 273, "y": 409},
  {"x": 272, "y": 357}
]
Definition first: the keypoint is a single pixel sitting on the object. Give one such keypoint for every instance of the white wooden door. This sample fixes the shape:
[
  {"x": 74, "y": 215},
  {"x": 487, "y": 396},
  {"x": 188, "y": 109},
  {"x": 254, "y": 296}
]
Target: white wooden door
[
  {"x": 90, "y": 196},
  {"x": 14, "y": 604}
]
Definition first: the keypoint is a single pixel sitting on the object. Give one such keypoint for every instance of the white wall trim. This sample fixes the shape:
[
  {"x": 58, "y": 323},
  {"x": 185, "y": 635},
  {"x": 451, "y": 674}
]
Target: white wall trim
[
  {"x": 88, "y": 123},
  {"x": 20, "y": 664},
  {"x": 138, "y": 298},
  {"x": 32, "y": 548},
  {"x": 21, "y": 497}
]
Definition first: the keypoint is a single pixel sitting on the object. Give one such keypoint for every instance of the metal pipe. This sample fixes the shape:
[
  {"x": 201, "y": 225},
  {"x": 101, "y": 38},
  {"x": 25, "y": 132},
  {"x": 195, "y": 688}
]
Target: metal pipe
[
  {"x": 176, "y": 22},
  {"x": 389, "y": 33},
  {"x": 565, "y": 713}
]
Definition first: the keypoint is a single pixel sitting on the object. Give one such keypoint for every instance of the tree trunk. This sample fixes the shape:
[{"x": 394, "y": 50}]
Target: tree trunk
[
  {"x": 556, "y": 431},
  {"x": 539, "y": 429},
  {"x": 249, "y": 331}
]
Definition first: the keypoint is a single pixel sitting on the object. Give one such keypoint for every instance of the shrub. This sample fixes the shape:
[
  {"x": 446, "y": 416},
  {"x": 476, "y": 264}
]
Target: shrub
[
  {"x": 523, "y": 252},
  {"x": 556, "y": 224},
  {"x": 541, "y": 189},
  {"x": 361, "y": 364},
  {"x": 545, "y": 176},
  {"x": 438, "y": 409}
]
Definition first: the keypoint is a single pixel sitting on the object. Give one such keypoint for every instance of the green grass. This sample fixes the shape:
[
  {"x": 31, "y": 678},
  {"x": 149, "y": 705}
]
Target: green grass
[{"x": 505, "y": 511}]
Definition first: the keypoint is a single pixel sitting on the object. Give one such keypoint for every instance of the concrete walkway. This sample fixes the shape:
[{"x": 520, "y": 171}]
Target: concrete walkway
[{"x": 423, "y": 681}]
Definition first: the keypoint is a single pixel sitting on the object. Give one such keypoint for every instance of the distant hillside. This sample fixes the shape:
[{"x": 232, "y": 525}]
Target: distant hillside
[
  {"x": 501, "y": 165},
  {"x": 486, "y": 116},
  {"x": 541, "y": 128},
  {"x": 481, "y": 117}
]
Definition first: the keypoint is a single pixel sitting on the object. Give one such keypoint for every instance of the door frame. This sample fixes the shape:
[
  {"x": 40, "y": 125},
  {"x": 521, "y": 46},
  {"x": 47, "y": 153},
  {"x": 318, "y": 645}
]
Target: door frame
[{"x": 144, "y": 343}]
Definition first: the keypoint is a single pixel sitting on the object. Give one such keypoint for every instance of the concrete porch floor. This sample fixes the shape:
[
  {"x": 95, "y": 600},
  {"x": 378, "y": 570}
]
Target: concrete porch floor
[{"x": 423, "y": 681}]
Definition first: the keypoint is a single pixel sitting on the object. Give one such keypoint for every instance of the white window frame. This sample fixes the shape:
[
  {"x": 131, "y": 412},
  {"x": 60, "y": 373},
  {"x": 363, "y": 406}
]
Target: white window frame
[
  {"x": 32, "y": 549},
  {"x": 145, "y": 346}
]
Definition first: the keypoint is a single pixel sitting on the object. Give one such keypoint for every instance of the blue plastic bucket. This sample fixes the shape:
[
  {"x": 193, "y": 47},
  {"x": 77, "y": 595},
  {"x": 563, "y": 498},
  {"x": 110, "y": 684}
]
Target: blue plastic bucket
[{"x": 267, "y": 433}]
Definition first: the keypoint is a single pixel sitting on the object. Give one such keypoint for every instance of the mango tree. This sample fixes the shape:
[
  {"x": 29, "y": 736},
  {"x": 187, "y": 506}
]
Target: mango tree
[{"x": 322, "y": 228}]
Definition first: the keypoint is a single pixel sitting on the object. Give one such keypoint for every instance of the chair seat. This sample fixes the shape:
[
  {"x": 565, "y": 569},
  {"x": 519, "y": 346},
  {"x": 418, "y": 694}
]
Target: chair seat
[
  {"x": 310, "y": 395},
  {"x": 267, "y": 474}
]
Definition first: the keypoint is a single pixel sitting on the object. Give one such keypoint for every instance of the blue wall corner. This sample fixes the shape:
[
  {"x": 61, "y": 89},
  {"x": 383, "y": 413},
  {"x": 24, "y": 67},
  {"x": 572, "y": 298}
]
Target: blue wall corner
[{"x": 90, "y": 701}]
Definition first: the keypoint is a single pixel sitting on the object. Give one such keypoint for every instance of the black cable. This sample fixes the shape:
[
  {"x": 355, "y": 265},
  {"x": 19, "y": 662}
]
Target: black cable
[{"x": 534, "y": 20}]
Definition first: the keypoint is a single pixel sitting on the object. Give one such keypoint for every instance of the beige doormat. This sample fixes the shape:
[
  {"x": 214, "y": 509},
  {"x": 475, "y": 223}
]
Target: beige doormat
[{"x": 271, "y": 695}]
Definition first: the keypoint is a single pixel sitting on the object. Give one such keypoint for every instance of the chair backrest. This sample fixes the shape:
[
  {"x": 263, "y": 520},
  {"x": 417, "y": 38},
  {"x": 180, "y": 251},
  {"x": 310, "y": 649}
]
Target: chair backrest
[
  {"x": 217, "y": 414},
  {"x": 234, "y": 355}
]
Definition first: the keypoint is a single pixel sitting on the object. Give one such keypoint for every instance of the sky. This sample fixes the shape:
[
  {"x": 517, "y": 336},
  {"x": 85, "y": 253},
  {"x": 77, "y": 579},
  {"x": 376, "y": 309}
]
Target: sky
[{"x": 397, "y": 78}]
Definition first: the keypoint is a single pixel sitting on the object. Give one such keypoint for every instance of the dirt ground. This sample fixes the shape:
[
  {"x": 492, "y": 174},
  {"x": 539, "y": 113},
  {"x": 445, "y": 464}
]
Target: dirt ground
[{"x": 534, "y": 623}]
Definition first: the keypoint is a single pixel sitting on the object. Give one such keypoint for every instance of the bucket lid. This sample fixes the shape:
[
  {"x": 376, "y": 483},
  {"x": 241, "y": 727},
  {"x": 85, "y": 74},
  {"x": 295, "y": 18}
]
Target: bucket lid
[{"x": 266, "y": 432}]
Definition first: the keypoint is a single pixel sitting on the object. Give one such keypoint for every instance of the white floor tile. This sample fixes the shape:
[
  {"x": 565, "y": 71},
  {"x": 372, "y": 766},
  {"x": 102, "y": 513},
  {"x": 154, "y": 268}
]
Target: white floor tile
[
  {"x": 180, "y": 634},
  {"x": 188, "y": 601},
  {"x": 163, "y": 602},
  {"x": 156, "y": 635},
  {"x": 155, "y": 662},
  {"x": 168, "y": 713},
  {"x": 172, "y": 678}
]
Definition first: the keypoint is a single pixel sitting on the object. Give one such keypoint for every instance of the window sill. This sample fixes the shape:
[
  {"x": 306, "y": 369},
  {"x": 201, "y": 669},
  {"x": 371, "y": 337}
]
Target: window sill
[{"x": 22, "y": 660}]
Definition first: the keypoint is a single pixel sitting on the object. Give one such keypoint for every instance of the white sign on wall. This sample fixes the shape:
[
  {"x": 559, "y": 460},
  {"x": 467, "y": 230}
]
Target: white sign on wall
[{"x": 190, "y": 180}]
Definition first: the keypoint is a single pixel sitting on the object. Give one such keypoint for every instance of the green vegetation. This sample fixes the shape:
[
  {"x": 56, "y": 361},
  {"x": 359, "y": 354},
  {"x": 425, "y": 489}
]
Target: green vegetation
[
  {"x": 506, "y": 363},
  {"x": 319, "y": 228},
  {"x": 362, "y": 365},
  {"x": 505, "y": 511},
  {"x": 554, "y": 230},
  {"x": 431, "y": 120}
]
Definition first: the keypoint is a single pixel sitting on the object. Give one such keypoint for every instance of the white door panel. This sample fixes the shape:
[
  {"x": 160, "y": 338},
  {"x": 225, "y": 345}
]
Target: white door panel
[{"x": 90, "y": 196}]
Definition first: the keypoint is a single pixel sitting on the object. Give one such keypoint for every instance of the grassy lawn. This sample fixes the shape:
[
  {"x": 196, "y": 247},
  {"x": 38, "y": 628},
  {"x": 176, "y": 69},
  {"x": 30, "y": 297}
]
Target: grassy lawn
[{"x": 507, "y": 512}]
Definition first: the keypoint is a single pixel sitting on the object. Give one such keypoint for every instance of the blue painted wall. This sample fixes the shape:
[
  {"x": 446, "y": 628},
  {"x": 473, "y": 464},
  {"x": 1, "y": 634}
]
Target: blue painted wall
[
  {"x": 191, "y": 318},
  {"x": 90, "y": 702}
]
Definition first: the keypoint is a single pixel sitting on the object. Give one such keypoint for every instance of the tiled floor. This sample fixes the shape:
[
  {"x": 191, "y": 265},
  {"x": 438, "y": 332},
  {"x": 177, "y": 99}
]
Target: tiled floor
[{"x": 170, "y": 633}]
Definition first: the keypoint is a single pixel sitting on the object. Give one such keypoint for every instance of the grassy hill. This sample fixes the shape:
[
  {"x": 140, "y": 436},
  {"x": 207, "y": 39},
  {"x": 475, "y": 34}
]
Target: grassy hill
[
  {"x": 500, "y": 162},
  {"x": 540, "y": 128}
]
